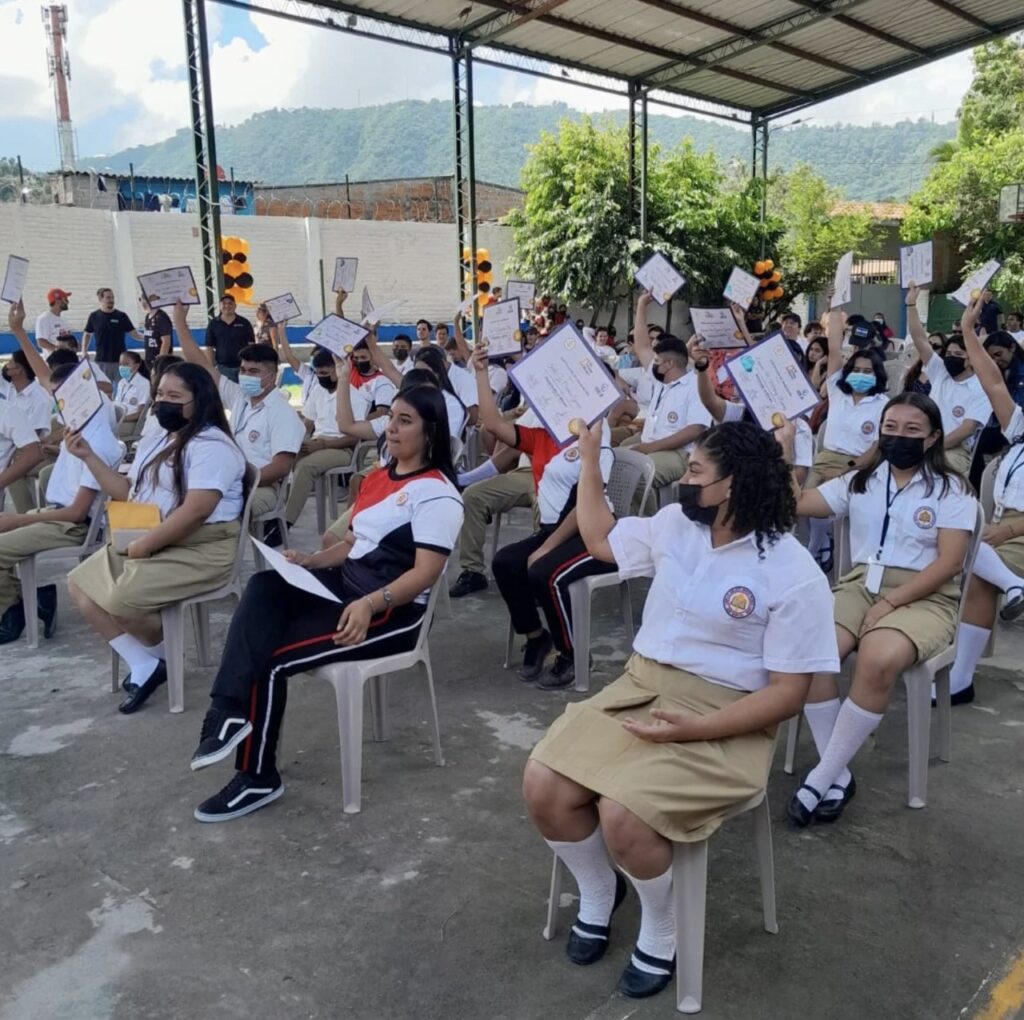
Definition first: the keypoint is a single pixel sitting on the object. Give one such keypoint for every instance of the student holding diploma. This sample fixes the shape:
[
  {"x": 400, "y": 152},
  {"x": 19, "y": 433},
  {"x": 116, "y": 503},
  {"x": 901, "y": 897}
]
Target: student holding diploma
[
  {"x": 534, "y": 575},
  {"x": 187, "y": 482}
]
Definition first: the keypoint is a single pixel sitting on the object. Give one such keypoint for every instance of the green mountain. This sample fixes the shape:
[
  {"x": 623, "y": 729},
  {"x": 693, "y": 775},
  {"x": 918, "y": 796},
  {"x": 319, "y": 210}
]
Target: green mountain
[{"x": 413, "y": 139}]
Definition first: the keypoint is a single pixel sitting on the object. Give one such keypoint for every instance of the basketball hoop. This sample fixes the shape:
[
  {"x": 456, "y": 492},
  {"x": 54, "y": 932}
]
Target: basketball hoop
[{"x": 1011, "y": 204}]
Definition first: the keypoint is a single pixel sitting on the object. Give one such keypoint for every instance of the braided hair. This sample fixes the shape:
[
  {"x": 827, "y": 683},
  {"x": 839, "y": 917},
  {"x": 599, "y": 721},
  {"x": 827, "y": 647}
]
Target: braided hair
[{"x": 761, "y": 494}]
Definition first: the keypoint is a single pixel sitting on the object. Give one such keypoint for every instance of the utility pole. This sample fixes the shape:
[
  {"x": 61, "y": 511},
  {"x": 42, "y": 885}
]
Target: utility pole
[{"x": 55, "y": 18}]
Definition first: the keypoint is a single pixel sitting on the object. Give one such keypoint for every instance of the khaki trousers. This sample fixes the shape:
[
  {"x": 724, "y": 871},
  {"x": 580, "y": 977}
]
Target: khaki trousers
[
  {"x": 307, "y": 469},
  {"x": 25, "y": 541},
  {"x": 481, "y": 503}
]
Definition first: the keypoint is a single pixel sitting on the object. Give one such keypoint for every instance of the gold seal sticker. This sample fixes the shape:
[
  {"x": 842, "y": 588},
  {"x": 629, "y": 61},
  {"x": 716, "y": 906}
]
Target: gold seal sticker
[
  {"x": 975, "y": 294},
  {"x": 517, "y": 335},
  {"x": 87, "y": 375},
  {"x": 575, "y": 426},
  {"x": 153, "y": 297},
  {"x": 666, "y": 295},
  {"x": 60, "y": 404},
  {"x": 192, "y": 292},
  {"x": 349, "y": 348},
  {"x": 778, "y": 420}
]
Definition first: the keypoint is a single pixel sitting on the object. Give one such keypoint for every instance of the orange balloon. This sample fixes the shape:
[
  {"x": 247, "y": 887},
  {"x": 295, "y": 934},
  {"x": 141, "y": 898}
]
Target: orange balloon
[
  {"x": 768, "y": 264},
  {"x": 758, "y": 268},
  {"x": 776, "y": 276},
  {"x": 466, "y": 254},
  {"x": 780, "y": 291},
  {"x": 483, "y": 255}
]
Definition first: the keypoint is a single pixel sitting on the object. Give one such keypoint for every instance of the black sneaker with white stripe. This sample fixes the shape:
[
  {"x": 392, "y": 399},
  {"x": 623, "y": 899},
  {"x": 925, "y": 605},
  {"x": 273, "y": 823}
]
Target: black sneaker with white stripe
[
  {"x": 222, "y": 732},
  {"x": 243, "y": 795}
]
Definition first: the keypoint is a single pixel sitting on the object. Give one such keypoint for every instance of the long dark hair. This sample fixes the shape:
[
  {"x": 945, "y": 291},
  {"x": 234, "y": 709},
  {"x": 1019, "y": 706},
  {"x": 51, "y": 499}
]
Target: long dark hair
[
  {"x": 819, "y": 341},
  {"x": 207, "y": 412},
  {"x": 429, "y": 404},
  {"x": 160, "y": 365},
  {"x": 877, "y": 365},
  {"x": 761, "y": 493},
  {"x": 435, "y": 361},
  {"x": 934, "y": 464},
  {"x": 140, "y": 366}
]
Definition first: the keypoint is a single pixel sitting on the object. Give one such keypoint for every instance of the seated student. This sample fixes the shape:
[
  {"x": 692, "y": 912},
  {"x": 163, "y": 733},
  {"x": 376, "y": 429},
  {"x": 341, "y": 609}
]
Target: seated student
[
  {"x": 160, "y": 365},
  {"x": 20, "y": 449},
  {"x": 737, "y": 622},
  {"x": 915, "y": 380},
  {"x": 536, "y": 572},
  {"x": 910, "y": 520},
  {"x": 366, "y": 375},
  {"x": 193, "y": 471},
  {"x": 266, "y": 429},
  {"x": 20, "y": 388},
  {"x": 69, "y": 343},
  {"x": 953, "y": 387},
  {"x": 132, "y": 394},
  {"x": 402, "y": 529},
  {"x": 401, "y": 352},
  {"x": 1009, "y": 358},
  {"x": 816, "y": 359}
]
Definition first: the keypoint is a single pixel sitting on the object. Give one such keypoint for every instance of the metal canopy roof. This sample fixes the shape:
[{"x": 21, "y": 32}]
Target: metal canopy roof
[{"x": 763, "y": 57}]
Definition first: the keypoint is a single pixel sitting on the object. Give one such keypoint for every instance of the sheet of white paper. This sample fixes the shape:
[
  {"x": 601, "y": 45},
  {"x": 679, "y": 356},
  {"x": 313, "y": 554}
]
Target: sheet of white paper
[
  {"x": 563, "y": 379},
  {"x": 166, "y": 286},
  {"x": 977, "y": 281},
  {"x": 718, "y": 327},
  {"x": 345, "y": 275},
  {"x": 522, "y": 289},
  {"x": 771, "y": 382},
  {"x": 14, "y": 279},
  {"x": 466, "y": 308},
  {"x": 78, "y": 397},
  {"x": 916, "y": 264},
  {"x": 660, "y": 277},
  {"x": 501, "y": 330},
  {"x": 336, "y": 334},
  {"x": 843, "y": 282},
  {"x": 296, "y": 576},
  {"x": 741, "y": 287},
  {"x": 283, "y": 307},
  {"x": 365, "y": 305},
  {"x": 376, "y": 314}
]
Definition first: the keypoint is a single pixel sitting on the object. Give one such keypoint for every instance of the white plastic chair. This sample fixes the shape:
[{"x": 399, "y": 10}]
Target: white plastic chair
[
  {"x": 348, "y": 680},
  {"x": 918, "y": 682},
  {"x": 689, "y": 893},
  {"x": 172, "y": 617}
]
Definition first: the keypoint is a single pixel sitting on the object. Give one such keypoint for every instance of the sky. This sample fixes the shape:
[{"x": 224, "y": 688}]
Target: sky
[{"x": 128, "y": 83}]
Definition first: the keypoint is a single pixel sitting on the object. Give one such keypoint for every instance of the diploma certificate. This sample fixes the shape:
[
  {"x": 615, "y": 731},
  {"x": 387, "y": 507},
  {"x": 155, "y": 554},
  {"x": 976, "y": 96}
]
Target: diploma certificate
[
  {"x": 741, "y": 287},
  {"x": 660, "y": 277},
  {"x": 336, "y": 335},
  {"x": 78, "y": 397},
  {"x": 345, "y": 275},
  {"x": 283, "y": 308},
  {"x": 718, "y": 327},
  {"x": 771, "y": 382},
  {"x": 169, "y": 286},
  {"x": 14, "y": 279},
  {"x": 501, "y": 330},
  {"x": 972, "y": 287},
  {"x": 916, "y": 264}
]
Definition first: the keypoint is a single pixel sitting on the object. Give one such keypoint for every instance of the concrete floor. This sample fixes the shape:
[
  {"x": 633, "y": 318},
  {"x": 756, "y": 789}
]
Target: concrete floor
[{"x": 430, "y": 903}]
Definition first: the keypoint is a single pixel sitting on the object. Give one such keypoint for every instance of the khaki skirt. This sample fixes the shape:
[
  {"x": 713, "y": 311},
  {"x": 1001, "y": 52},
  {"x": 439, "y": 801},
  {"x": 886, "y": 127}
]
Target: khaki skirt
[
  {"x": 133, "y": 588},
  {"x": 959, "y": 459},
  {"x": 681, "y": 790},
  {"x": 824, "y": 460},
  {"x": 929, "y": 623},
  {"x": 1011, "y": 552}
]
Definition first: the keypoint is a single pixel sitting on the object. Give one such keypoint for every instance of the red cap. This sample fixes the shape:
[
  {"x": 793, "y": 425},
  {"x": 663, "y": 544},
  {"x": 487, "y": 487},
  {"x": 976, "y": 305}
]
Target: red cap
[{"x": 56, "y": 293}]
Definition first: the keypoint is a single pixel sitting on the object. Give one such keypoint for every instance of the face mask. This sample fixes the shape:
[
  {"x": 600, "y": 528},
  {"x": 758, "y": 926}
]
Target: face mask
[
  {"x": 954, "y": 365},
  {"x": 401, "y": 355},
  {"x": 689, "y": 500},
  {"x": 252, "y": 385},
  {"x": 327, "y": 382},
  {"x": 879, "y": 321},
  {"x": 170, "y": 415},
  {"x": 860, "y": 382},
  {"x": 124, "y": 371},
  {"x": 658, "y": 372},
  {"x": 902, "y": 451},
  {"x": 364, "y": 367}
]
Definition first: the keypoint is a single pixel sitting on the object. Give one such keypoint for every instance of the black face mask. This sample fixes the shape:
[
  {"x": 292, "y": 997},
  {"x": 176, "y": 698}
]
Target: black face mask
[
  {"x": 689, "y": 500},
  {"x": 902, "y": 452},
  {"x": 364, "y": 367},
  {"x": 401, "y": 354},
  {"x": 327, "y": 382},
  {"x": 954, "y": 365},
  {"x": 170, "y": 415},
  {"x": 658, "y": 372}
]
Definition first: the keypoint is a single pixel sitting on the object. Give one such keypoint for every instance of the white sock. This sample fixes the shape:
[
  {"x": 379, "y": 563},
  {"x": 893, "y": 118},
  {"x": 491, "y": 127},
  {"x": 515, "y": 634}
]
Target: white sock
[
  {"x": 479, "y": 474},
  {"x": 821, "y": 717},
  {"x": 134, "y": 652},
  {"x": 989, "y": 567},
  {"x": 588, "y": 861},
  {"x": 657, "y": 919},
  {"x": 970, "y": 646},
  {"x": 821, "y": 535},
  {"x": 157, "y": 650},
  {"x": 853, "y": 726}
]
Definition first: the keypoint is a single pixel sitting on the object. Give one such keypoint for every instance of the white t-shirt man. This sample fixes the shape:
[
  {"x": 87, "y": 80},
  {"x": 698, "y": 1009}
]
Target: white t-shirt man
[{"x": 49, "y": 327}]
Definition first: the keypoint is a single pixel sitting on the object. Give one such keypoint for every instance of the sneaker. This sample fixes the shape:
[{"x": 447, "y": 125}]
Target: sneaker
[
  {"x": 468, "y": 582},
  {"x": 1013, "y": 606},
  {"x": 46, "y": 607},
  {"x": 535, "y": 651},
  {"x": 12, "y": 623},
  {"x": 272, "y": 535},
  {"x": 561, "y": 674},
  {"x": 243, "y": 795},
  {"x": 222, "y": 732}
]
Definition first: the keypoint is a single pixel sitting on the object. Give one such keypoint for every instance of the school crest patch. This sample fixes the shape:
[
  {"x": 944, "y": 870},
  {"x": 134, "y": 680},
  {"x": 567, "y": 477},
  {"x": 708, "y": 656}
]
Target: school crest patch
[
  {"x": 672, "y": 417},
  {"x": 958, "y": 411},
  {"x": 254, "y": 435},
  {"x": 572, "y": 454},
  {"x": 924, "y": 517},
  {"x": 739, "y": 602},
  {"x": 867, "y": 428},
  {"x": 402, "y": 498}
]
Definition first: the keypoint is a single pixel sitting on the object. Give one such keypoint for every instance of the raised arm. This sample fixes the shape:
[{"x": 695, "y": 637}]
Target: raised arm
[
  {"x": 739, "y": 313},
  {"x": 490, "y": 417},
  {"x": 460, "y": 341},
  {"x": 384, "y": 363},
  {"x": 987, "y": 371},
  {"x": 284, "y": 348},
  {"x": 115, "y": 485},
  {"x": 834, "y": 327},
  {"x": 915, "y": 326},
  {"x": 713, "y": 403},
  {"x": 642, "y": 345},
  {"x": 189, "y": 348},
  {"x": 16, "y": 324},
  {"x": 593, "y": 518},
  {"x": 339, "y": 302},
  {"x": 347, "y": 424}
]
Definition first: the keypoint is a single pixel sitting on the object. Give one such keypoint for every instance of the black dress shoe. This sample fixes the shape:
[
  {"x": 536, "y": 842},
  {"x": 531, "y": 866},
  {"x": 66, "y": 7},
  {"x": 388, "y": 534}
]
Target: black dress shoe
[
  {"x": 961, "y": 697},
  {"x": 1013, "y": 605},
  {"x": 140, "y": 692},
  {"x": 799, "y": 815},
  {"x": 46, "y": 603},
  {"x": 272, "y": 535},
  {"x": 589, "y": 942},
  {"x": 12, "y": 623},
  {"x": 468, "y": 582},
  {"x": 641, "y": 984},
  {"x": 830, "y": 810}
]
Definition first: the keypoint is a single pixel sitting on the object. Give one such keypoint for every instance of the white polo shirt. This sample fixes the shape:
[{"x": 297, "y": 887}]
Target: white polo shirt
[
  {"x": 803, "y": 441},
  {"x": 16, "y": 432},
  {"x": 731, "y": 615},
  {"x": 915, "y": 517},
  {"x": 1008, "y": 492},
  {"x": 379, "y": 390},
  {"x": 464, "y": 384},
  {"x": 851, "y": 427},
  {"x": 322, "y": 410},
  {"x": 264, "y": 430},
  {"x": 212, "y": 461},
  {"x": 958, "y": 401},
  {"x": 674, "y": 406},
  {"x": 33, "y": 402},
  {"x": 71, "y": 474},
  {"x": 132, "y": 394}
]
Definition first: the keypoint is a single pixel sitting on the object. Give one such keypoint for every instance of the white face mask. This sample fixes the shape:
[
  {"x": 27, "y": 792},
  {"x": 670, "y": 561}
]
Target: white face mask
[{"x": 252, "y": 385}]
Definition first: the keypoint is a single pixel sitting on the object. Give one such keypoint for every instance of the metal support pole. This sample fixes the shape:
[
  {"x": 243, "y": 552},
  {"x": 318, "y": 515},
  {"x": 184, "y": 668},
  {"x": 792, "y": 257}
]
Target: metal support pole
[
  {"x": 207, "y": 191},
  {"x": 759, "y": 164},
  {"x": 465, "y": 171},
  {"x": 638, "y": 150}
]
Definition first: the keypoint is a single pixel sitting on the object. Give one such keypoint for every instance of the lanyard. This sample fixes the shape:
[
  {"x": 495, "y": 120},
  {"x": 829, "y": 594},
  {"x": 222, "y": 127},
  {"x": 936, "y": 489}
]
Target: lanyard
[
  {"x": 161, "y": 446},
  {"x": 1014, "y": 468},
  {"x": 890, "y": 498},
  {"x": 244, "y": 415}
]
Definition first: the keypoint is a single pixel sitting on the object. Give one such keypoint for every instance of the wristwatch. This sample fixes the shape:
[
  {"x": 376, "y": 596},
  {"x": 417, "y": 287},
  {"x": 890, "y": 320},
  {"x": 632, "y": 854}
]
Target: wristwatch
[
  {"x": 388, "y": 598},
  {"x": 701, "y": 366}
]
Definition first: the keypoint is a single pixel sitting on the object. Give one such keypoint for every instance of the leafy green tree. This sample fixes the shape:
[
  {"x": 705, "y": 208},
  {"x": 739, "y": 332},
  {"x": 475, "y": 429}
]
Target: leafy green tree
[{"x": 994, "y": 104}]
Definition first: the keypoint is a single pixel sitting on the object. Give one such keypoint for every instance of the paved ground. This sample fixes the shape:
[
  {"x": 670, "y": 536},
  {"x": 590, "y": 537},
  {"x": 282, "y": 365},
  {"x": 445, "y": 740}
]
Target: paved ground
[{"x": 429, "y": 904}]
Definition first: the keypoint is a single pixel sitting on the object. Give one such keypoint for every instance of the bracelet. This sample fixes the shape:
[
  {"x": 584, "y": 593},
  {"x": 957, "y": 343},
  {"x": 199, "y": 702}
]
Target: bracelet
[{"x": 369, "y": 599}]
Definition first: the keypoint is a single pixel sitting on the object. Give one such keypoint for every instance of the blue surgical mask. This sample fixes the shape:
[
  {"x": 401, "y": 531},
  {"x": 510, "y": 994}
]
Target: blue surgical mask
[
  {"x": 861, "y": 382},
  {"x": 252, "y": 385},
  {"x": 124, "y": 371}
]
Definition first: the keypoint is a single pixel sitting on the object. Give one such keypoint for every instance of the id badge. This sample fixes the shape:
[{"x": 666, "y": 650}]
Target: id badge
[
  {"x": 997, "y": 513},
  {"x": 873, "y": 578}
]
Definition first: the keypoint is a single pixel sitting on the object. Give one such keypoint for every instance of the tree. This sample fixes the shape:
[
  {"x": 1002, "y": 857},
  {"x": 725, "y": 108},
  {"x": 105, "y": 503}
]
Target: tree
[{"x": 994, "y": 104}]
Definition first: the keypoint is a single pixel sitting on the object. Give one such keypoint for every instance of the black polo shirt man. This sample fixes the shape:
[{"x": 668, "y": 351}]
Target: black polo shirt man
[
  {"x": 109, "y": 325},
  {"x": 226, "y": 335}
]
